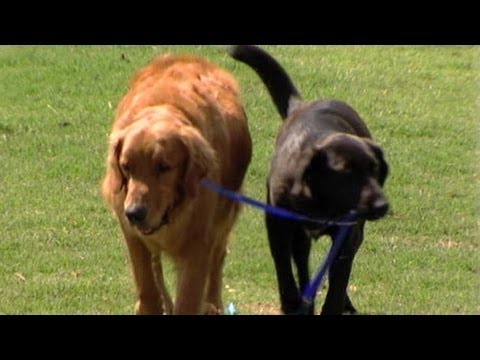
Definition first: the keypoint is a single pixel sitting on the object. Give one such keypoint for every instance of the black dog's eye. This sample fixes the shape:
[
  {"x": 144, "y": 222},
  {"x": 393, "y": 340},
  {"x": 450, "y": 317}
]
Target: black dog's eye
[
  {"x": 373, "y": 168},
  {"x": 162, "y": 168}
]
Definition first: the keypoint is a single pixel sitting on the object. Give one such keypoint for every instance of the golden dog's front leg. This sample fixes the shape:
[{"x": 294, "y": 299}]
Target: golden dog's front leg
[
  {"x": 191, "y": 281},
  {"x": 149, "y": 301},
  {"x": 215, "y": 284},
  {"x": 157, "y": 268}
]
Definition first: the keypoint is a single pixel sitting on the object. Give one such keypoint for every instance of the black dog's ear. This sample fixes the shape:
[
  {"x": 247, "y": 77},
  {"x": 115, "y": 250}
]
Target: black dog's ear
[{"x": 383, "y": 170}]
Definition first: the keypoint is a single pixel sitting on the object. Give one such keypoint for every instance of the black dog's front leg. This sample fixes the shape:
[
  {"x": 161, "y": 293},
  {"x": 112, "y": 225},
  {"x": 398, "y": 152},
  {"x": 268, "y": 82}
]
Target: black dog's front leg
[
  {"x": 301, "y": 246},
  {"x": 337, "y": 301},
  {"x": 280, "y": 237}
]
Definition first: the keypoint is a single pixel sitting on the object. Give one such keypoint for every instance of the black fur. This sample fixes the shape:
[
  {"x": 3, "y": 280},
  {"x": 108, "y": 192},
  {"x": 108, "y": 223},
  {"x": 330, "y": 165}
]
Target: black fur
[{"x": 325, "y": 164}]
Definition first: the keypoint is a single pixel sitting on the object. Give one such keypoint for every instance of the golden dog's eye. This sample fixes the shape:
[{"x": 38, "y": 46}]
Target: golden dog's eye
[
  {"x": 162, "y": 168},
  {"x": 125, "y": 168}
]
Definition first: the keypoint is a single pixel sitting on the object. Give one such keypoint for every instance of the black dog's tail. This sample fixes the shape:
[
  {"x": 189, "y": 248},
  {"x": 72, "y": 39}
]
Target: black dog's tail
[{"x": 282, "y": 90}]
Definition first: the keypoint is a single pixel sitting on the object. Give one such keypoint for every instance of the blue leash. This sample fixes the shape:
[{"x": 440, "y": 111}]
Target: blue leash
[
  {"x": 344, "y": 225},
  {"x": 286, "y": 214},
  {"x": 311, "y": 290}
]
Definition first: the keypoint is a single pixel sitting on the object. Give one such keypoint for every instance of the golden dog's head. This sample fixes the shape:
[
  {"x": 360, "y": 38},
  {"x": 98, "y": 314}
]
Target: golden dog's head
[{"x": 154, "y": 166}]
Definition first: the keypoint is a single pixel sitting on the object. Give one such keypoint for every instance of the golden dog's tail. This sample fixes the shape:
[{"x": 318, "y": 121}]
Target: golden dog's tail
[{"x": 281, "y": 88}]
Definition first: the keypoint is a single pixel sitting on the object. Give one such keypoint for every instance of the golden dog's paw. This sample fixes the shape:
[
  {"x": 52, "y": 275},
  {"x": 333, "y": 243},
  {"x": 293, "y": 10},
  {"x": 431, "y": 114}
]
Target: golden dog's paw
[
  {"x": 210, "y": 309},
  {"x": 167, "y": 305},
  {"x": 144, "y": 308}
]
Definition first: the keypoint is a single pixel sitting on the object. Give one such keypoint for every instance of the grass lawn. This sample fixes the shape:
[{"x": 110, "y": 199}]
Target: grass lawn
[{"x": 61, "y": 251}]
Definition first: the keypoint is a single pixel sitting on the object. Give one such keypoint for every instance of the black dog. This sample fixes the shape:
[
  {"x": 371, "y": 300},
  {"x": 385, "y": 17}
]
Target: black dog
[{"x": 325, "y": 164}]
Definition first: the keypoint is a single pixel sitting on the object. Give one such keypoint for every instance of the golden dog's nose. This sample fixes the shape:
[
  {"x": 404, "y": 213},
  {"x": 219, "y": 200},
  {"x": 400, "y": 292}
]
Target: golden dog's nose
[{"x": 136, "y": 214}]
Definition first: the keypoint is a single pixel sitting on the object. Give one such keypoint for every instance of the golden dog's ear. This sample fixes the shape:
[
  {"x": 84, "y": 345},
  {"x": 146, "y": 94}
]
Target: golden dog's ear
[
  {"x": 114, "y": 179},
  {"x": 201, "y": 159}
]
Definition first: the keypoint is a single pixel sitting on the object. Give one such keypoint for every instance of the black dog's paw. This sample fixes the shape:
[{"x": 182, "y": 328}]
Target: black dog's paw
[
  {"x": 350, "y": 311},
  {"x": 349, "y": 308},
  {"x": 335, "y": 308},
  {"x": 300, "y": 308}
]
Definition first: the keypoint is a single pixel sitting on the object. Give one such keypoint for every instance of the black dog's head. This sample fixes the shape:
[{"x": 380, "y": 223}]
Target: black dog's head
[{"x": 338, "y": 173}]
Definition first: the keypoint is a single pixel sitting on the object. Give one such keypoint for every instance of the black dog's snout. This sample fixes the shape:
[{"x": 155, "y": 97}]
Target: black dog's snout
[
  {"x": 136, "y": 214},
  {"x": 375, "y": 210},
  {"x": 380, "y": 207}
]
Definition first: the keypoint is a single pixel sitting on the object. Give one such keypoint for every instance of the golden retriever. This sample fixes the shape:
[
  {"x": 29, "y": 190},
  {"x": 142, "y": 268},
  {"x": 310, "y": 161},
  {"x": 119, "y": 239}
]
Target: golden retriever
[{"x": 182, "y": 120}]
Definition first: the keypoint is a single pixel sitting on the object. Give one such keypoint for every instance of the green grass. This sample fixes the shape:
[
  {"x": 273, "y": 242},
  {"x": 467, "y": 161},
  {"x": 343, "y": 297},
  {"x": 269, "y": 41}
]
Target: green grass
[{"x": 61, "y": 251}]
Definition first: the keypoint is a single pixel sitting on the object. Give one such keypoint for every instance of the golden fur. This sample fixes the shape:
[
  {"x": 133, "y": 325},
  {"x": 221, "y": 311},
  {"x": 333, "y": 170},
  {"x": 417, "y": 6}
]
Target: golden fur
[{"x": 182, "y": 120}]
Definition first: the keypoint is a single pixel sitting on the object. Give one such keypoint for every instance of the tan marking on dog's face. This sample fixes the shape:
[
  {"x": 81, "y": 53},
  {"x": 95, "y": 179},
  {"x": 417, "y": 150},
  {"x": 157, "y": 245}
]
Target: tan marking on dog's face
[
  {"x": 336, "y": 161},
  {"x": 306, "y": 191}
]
